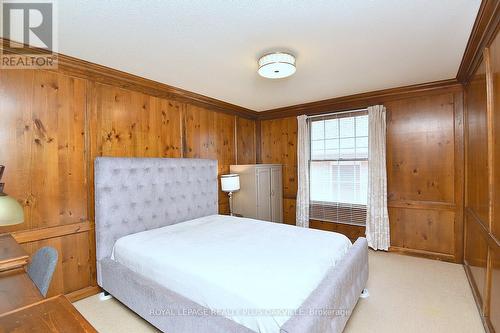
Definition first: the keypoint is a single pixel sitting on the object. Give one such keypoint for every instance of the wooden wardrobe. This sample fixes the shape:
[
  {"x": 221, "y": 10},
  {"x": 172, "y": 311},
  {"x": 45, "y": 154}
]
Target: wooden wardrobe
[{"x": 260, "y": 196}]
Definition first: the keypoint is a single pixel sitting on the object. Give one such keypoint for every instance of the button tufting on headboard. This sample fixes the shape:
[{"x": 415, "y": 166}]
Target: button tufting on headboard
[{"x": 137, "y": 194}]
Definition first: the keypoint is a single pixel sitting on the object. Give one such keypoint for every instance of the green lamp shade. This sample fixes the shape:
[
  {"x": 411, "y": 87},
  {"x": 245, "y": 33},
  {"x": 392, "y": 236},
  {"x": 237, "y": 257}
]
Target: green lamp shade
[{"x": 11, "y": 212}]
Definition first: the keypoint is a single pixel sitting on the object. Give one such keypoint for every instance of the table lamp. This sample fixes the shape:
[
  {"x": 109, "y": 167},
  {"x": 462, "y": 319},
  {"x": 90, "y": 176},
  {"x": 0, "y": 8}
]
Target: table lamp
[
  {"x": 11, "y": 212},
  {"x": 230, "y": 183}
]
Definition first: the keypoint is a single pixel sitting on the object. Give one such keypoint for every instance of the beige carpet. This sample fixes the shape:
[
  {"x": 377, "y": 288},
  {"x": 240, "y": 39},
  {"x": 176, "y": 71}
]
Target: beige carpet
[{"x": 407, "y": 294}]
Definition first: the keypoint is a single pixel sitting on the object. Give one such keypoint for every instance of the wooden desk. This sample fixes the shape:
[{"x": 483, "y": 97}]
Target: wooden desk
[
  {"x": 12, "y": 255},
  {"x": 22, "y": 307},
  {"x": 17, "y": 290},
  {"x": 54, "y": 314}
]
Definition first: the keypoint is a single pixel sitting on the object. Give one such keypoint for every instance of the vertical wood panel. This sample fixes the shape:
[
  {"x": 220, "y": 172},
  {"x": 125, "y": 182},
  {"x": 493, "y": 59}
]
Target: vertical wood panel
[
  {"x": 258, "y": 140},
  {"x": 58, "y": 182},
  {"x": 245, "y": 141},
  {"x": 495, "y": 289},
  {"x": 16, "y": 133},
  {"x": 129, "y": 123},
  {"x": 279, "y": 145},
  {"x": 491, "y": 302},
  {"x": 420, "y": 149},
  {"x": 211, "y": 135},
  {"x": 482, "y": 180},
  {"x": 476, "y": 252},
  {"x": 459, "y": 175},
  {"x": 43, "y": 123},
  {"x": 495, "y": 99},
  {"x": 477, "y": 196},
  {"x": 477, "y": 146},
  {"x": 43, "y": 127},
  {"x": 424, "y": 158},
  {"x": 289, "y": 214}
]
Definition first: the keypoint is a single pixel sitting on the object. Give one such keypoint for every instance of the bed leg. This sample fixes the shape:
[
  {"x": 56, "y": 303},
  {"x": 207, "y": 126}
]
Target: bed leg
[
  {"x": 105, "y": 296},
  {"x": 365, "y": 293}
]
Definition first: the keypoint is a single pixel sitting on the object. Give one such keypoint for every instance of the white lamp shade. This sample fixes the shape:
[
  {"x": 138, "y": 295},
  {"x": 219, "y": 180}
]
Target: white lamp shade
[
  {"x": 230, "y": 183},
  {"x": 11, "y": 212}
]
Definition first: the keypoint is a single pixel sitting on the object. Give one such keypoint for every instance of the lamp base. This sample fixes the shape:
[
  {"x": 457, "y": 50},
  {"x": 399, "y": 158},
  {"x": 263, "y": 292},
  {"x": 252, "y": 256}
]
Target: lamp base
[{"x": 230, "y": 203}]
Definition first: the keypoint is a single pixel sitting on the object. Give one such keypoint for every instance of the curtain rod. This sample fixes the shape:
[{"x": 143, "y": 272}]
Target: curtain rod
[{"x": 336, "y": 113}]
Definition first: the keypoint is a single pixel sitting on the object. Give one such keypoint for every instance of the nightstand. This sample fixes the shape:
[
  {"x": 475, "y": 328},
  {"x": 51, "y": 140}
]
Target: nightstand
[{"x": 12, "y": 255}]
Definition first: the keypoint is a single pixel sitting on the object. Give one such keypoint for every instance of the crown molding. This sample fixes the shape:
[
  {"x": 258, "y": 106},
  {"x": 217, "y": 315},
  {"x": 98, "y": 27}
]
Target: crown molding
[
  {"x": 483, "y": 32},
  {"x": 361, "y": 100},
  {"x": 104, "y": 75},
  {"x": 101, "y": 74},
  {"x": 485, "y": 28}
]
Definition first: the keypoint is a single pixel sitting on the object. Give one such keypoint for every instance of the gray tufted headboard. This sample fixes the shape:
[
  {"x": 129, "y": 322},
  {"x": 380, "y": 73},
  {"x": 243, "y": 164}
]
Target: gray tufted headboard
[{"x": 137, "y": 194}]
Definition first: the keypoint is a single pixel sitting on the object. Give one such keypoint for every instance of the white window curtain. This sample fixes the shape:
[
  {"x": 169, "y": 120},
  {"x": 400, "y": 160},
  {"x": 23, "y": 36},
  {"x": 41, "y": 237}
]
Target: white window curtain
[
  {"x": 377, "y": 217},
  {"x": 303, "y": 146}
]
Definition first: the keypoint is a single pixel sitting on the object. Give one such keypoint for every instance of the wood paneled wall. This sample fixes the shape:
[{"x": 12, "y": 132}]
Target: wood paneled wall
[
  {"x": 210, "y": 134},
  {"x": 278, "y": 144},
  {"x": 482, "y": 207},
  {"x": 246, "y": 141},
  {"x": 425, "y": 171},
  {"x": 42, "y": 132},
  {"x": 425, "y": 174},
  {"x": 53, "y": 125}
]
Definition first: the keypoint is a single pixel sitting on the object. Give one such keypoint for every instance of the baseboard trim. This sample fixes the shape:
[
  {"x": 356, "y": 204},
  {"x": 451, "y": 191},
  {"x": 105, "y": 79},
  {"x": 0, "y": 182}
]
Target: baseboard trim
[
  {"x": 83, "y": 293},
  {"x": 488, "y": 327},
  {"x": 423, "y": 254}
]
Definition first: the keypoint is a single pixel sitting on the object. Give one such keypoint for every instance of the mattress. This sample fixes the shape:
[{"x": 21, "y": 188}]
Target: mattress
[{"x": 253, "y": 272}]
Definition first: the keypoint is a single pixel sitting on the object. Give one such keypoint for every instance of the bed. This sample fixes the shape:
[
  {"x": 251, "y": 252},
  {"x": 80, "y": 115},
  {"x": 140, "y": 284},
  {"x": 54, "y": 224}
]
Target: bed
[{"x": 163, "y": 251}]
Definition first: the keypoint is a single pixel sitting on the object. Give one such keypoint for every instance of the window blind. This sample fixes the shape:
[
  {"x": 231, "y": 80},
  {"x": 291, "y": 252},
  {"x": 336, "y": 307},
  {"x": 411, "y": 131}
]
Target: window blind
[{"x": 339, "y": 168}]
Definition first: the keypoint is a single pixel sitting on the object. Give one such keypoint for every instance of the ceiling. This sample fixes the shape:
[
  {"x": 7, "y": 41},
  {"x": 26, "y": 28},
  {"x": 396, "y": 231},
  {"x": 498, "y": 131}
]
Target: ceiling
[{"x": 211, "y": 47}]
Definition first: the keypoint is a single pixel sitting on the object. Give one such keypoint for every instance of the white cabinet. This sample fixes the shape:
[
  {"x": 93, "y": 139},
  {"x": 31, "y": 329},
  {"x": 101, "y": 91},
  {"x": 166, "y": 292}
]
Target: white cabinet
[{"x": 260, "y": 194}]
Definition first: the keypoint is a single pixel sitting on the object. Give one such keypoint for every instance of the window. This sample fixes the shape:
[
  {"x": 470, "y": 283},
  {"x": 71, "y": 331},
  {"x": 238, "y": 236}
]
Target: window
[{"x": 339, "y": 168}]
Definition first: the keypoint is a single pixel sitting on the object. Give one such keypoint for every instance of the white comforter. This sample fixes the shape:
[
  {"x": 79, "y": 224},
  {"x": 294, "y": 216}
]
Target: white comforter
[{"x": 253, "y": 272}]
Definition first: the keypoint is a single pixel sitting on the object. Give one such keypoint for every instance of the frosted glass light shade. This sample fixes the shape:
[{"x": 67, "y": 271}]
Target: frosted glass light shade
[
  {"x": 11, "y": 212},
  {"x": 277, "y": 65},
  {"x": 230, "y": 183}
]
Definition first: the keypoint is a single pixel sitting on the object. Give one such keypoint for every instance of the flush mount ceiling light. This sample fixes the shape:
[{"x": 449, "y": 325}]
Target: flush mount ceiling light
[{"x": 277, "y": 65}]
